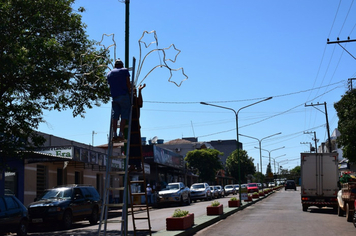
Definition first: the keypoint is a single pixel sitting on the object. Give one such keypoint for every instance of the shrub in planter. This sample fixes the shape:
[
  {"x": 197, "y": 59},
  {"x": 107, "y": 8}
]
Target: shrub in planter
[
  {"x": 180, "y": 220},
  {"x": 215, "y": 209},
  {"x": 234, "y": 202},
  {"x": 261, "y": 193},
  {"x": 255, "y": 195}
]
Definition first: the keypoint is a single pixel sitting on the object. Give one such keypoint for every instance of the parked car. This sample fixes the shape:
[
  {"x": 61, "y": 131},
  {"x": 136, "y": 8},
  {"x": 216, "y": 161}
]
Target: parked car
[
  {"x": 13, "y": 216},
  {"x": 174, "y": 192},
  {"x": 271, "y": 184},
  {"x": 290, "y": 184},
  {"x": 200, "y": 191},
  {"x": 221, "y": 190},
  {"x": 66, "y": 204},
  {"x": 259, "y": 185},
  {"x": 236, "y": 187},
  {"x": 229, "y": 189},
  {"x": 214, "y": 191},
  {"x": 252, "y": 188}
]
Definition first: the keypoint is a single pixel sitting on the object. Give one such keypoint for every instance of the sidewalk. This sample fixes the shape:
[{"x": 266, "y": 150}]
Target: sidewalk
[{"x": 205, "y": 220}]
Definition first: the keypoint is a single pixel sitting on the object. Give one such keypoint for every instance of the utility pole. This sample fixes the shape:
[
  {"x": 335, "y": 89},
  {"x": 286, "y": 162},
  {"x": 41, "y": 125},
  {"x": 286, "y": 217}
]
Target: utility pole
[
  {"x": 127, "y": 32},
  {"x": 314, "y": 139},
  {"x": 350, "y": 83},
  {"x": 327, "y": 121},
  {"x": 343, "y": 41}
]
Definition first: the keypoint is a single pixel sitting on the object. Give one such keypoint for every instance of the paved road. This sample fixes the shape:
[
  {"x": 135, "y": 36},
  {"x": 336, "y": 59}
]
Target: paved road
[{"x": 281, "y": 215}]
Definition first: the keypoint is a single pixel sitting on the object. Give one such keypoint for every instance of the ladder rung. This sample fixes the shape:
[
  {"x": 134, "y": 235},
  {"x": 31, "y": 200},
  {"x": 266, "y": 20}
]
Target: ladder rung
[
  {"x": 134, "y": 205},
  {"x": 114, "y": 205},
  {"x": 136, "y": 181},
  {"x": 138, "y": 194},
  {"x": 118, "y": 157},
  {"x": 116, "y": 172},
  {"x": 142, "y": 230},
  {"x": 113, "y": 221},
  {"x": 116, "y": 188}
]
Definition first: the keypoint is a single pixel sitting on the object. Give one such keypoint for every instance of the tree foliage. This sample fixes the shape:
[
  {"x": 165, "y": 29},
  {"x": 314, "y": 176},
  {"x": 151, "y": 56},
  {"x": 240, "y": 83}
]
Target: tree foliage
[
  {"x": 206, "y": 161},
  {"x": 247, "y": 166},
  {"x": 346, "y": 111},
  {"x": 47, "y": 62}
]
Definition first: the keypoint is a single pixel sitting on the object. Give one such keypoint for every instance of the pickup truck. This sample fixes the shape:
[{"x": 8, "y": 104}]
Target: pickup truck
[{"x": 346, "y": 200}]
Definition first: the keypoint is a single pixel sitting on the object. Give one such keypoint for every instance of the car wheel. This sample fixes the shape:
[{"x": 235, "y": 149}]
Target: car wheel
[
  {"x": 94, "y": 216},
  {"x": 23, "y": 228},
  {"x": 305, "y": 208},
  {"x": 348, "y": 215},
  {"x": 188, "y": 200},
  {"x": 181, "y": 202},
  {"x": 67, "y": 220}
]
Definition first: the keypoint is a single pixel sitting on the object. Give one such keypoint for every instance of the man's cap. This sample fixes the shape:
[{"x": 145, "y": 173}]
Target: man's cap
[
  {"x": 118, "y": 62},
  {"x": 148, "y": 184}
]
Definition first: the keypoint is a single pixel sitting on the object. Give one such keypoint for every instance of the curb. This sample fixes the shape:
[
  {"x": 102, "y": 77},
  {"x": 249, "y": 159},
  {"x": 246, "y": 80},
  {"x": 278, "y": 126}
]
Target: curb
[{"x": 204, "y": 221}]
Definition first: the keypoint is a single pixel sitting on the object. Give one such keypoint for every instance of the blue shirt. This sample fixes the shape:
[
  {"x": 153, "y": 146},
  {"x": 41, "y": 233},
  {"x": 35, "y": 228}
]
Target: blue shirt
[{"x": 117, "y": 79}]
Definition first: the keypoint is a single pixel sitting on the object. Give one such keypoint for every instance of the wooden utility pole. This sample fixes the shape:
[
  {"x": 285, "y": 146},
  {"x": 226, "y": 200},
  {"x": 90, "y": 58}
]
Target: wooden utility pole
[{"x": 327, "y": 120}]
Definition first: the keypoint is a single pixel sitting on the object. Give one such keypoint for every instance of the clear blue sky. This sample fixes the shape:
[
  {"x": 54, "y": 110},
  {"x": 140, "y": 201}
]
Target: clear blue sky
[{"x": 234, "y": 53}]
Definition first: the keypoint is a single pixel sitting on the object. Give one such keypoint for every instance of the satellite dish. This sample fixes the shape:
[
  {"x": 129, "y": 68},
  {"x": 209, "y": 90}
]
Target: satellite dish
[{"x": 154, "y": 139}]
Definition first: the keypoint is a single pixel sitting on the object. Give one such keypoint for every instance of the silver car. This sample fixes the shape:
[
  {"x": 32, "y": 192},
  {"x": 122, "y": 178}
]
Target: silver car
[
  {"x": 200, "y": 191},
  {"x": 174, "y": 192}
]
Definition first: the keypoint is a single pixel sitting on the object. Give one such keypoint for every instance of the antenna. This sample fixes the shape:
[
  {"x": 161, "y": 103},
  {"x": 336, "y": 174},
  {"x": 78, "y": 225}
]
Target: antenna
[{"x": 192, "y": 128}]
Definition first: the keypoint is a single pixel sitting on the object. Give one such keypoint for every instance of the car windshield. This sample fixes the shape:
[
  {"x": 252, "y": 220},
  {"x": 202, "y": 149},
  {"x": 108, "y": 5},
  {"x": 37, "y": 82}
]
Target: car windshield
[
  {"x": 171, "y": 187},
  {"x": 243, "y": 185},
  {"x": 218, "y": 187},
  {"x": 195, "y": 186},
  {"x": 58, "y": 193},
  {"x": 228, "y": 186},
  {"x": 252, "y": 185}
]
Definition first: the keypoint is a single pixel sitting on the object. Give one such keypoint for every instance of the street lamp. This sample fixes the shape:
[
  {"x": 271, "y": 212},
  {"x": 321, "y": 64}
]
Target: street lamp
[
  {"x": 237, "y": 132},
  {"x": 274, "y": 161},
  {"x": 286, "y": 160},
  {"x": 269, "y": 152},
  {"x": 260, "y": 141}
]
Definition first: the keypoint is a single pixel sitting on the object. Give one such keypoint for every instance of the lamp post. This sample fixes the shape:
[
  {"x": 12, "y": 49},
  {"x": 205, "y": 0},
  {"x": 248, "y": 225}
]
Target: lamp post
[
  {"x": 259, "y": 142},
  {"x": 269, "y": 152},
  {"x": 274, "y": 161},
  {"x": 286, "y": 160},
  {"x": 237, "y": 132}
]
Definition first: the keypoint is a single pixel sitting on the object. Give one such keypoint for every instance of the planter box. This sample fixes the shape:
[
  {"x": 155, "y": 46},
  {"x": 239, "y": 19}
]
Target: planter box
[
  {"x": 212, "y": 210},
  {"x": 234, "y": 203},
  {"x": 261, "y": 194},
  {"x": 180, "y": 223},
  {"x": 249, "y": 199},
  {"x": 255, "y": 196}
]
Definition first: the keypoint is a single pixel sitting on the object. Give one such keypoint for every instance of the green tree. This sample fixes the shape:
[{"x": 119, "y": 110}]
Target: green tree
[
  {"x": 269, "y": 169},
  {"x": 259, "y": 177},
  {"x": 206, "y": 161},
  {"x": 247, "y": 166},
  {"x": 346, "y": 111},
  {"x": 47, "y": 62}
]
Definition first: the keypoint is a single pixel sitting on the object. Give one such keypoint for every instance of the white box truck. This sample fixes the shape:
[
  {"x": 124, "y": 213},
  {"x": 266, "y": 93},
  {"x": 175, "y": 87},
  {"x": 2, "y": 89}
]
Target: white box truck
[{"x": 319, "y": 180}]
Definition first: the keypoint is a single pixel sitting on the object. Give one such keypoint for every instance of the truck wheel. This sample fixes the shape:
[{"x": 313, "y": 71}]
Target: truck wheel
[
  {"x": 305, "y": 208},
  {"x": 340, "y": 212},
  {"x": 349, "y": 214}
]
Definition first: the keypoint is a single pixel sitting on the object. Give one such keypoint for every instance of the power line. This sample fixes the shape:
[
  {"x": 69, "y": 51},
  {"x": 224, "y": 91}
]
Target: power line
[{"x": 244, "y": 100}]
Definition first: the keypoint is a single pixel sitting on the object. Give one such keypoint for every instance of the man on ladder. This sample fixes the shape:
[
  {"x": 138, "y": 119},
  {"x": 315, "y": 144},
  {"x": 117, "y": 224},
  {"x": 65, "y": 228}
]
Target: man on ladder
[{"x": 119, "y": 81}]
